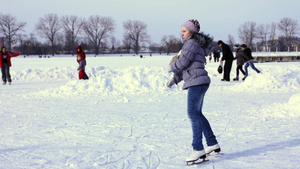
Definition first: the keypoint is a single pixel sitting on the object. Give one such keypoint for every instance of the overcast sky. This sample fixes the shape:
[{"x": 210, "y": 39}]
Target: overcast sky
[{"x": 218, "y": 18}]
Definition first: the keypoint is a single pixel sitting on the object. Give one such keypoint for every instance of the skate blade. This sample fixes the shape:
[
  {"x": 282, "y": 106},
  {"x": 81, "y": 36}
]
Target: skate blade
[
  {"x": 189, "y": 163},
  {"x": 214, "y": 155}
]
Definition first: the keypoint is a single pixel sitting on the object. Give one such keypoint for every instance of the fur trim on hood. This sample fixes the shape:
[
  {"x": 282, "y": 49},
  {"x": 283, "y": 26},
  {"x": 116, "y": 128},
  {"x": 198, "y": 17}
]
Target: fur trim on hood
[{"x": 204, "y": 40}]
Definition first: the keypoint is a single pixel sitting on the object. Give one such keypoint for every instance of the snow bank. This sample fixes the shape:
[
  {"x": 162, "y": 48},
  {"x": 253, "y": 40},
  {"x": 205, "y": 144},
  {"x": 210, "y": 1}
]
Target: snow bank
[
  {"x": 273, "y": 79},
  {"x": 64, "y": 73},
  {"x": 152, "y": 79},
  {"x": 107, "y": 81},
  {"x": 289, "y": 109}
]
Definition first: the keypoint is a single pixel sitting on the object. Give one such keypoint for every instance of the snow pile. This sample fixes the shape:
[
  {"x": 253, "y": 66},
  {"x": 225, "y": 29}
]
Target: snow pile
[
  {"x": 274, "y": 79},
  {"x": 107, "y": 81},
  {"x": 152, "y": 79},
  {"x": 65, "y": 73},
  {"x": 289, "y": 109}
]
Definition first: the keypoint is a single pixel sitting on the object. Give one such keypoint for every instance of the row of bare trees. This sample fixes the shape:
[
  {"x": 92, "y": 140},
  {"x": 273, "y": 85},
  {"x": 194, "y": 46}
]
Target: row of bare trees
[
  {"x": 67, "y": 31},
  {"x": 97, "y": 32},
  {"x": 96, "y": 29},
  {"x": 264, "y": 37}
]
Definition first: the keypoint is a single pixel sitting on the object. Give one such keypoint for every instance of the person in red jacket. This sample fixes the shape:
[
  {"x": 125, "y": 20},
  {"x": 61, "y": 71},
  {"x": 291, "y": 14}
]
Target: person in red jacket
[
  {"x": 5, "y": 63},
  {"x": 82, "y": 62}
]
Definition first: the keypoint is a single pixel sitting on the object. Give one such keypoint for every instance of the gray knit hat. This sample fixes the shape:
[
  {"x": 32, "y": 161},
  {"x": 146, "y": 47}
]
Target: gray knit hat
[{"x": 192, "y": 25}]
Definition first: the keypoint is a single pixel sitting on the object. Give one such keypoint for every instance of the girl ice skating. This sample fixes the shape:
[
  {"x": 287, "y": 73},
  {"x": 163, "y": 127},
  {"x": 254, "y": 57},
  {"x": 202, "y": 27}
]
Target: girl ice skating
[{"x": 190, "y": 68}]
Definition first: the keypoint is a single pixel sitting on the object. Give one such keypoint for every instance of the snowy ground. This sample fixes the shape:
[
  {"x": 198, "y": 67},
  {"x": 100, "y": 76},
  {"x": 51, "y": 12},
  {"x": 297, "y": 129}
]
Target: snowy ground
[{"x": 124, "y": 117}]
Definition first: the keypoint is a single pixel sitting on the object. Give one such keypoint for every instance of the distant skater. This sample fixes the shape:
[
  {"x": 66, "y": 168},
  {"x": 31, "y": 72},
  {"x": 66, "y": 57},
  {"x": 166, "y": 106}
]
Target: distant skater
[
  {"x": 228, "y": 58},
  {"x": 190, "y": 67},
  {"x": 82, "y": 62},
  {"x": 5, "y": 63},
  {"x": 249, "y": 60},
  {"x": 239, "y": 57},
  {"x": 216, "y": 55}
]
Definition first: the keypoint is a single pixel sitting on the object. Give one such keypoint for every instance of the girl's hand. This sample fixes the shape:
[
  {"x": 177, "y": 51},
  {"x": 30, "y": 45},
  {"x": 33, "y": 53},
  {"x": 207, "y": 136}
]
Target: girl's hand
[{"x": 170, "y": 83}]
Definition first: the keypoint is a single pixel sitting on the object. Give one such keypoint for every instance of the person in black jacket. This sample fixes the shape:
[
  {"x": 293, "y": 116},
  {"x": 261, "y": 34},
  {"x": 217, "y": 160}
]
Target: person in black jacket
[
  {"x": 228, "y": 57},
  {"x": 248, "y": 60}
]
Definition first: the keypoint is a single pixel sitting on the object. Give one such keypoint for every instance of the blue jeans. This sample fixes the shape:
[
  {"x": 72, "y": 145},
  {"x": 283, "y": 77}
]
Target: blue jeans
[
  {"x": 5, "y": 73},
  {"x": 200, "y": 124},
  {"x": 250, "y": 63}
]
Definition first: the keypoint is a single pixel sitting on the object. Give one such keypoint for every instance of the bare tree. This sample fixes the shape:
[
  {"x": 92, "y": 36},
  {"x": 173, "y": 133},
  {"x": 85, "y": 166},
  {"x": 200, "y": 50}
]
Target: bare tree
[
  {"x": 22, "y": 38},
  {"x": 247, "y": 33},
  {"x": 118, "y": 46},
  {"x": 262, "y": 33},
  {"x": 60, "y": 43},
  {"x": 272, "y": 35},
  {"x": 97, "y": 29},
  {"x": 9, "y": 27},
  {"x": 171, "y": 43},
  {"x": 289, "y": 28},
  {"x": 127, "y": 43},
  {"x": 114, "y": 44},
  {"x": 136, "y": 31},
  {"x": 72, "y": 26},
  {"x": 231, "y": 41},
  {"x": 49, "y": 27},
  {"x": 31, "y": 44}
]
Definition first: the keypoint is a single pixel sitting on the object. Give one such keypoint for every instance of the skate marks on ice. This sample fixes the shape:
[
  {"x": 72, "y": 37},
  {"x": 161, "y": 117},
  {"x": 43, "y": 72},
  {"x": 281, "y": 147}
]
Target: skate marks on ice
[
  {"x": 261, "y": 153},
  {"x": 44, "y": 156},
  {"x": 114, "y": 159},
  {"x": 266, "y": 149}
]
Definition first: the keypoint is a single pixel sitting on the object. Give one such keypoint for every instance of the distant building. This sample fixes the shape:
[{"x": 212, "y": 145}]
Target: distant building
[{"x": 282, "y": 44}]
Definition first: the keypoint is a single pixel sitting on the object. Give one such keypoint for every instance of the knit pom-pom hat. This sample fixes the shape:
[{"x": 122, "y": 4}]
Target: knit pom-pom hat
[{"x": 192, "y": 25}]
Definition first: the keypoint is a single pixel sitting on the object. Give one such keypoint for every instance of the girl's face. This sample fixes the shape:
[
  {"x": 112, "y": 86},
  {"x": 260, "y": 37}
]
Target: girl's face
[
  {"x": 185, "y": 33},
  {"x": 3, "y": 50}
]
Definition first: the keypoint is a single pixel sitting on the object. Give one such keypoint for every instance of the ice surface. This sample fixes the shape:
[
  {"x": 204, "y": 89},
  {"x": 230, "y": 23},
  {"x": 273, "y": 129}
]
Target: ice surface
[{"x": 125, "y": 117}]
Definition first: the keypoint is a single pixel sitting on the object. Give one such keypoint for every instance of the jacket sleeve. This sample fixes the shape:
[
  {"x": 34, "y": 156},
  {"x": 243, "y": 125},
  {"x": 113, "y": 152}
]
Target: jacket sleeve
[
  {"x": 13, "y": 54},
  {"x": 177, "y": 77},
  {"x": 187, "y": 56},
  {"x": 16, "y": 54}
]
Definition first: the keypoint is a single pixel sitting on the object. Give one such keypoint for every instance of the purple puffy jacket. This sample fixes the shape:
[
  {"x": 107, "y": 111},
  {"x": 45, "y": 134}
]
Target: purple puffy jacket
[{"x": 190, "y": 67}]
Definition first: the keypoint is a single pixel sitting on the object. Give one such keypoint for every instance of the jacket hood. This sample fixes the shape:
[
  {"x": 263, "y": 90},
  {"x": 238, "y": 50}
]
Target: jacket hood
[
  {"x": 80, "y": 48},
  {"x": 204, "y": 40}
]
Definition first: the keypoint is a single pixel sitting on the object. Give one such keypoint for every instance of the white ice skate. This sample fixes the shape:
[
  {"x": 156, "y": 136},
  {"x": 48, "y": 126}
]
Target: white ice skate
[
  {"x": 216, "y": 148},
  {"x": 195, "y": 156}
]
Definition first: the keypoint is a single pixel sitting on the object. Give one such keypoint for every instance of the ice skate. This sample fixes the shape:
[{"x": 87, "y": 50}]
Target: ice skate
[
  {"x": 216, "y": 148},
  {"x": 244, "y": 77},
  {"x": 195, "y": 156},
  {"x": 4, "y": 83},
  {"x": 236, "y": 79}
]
